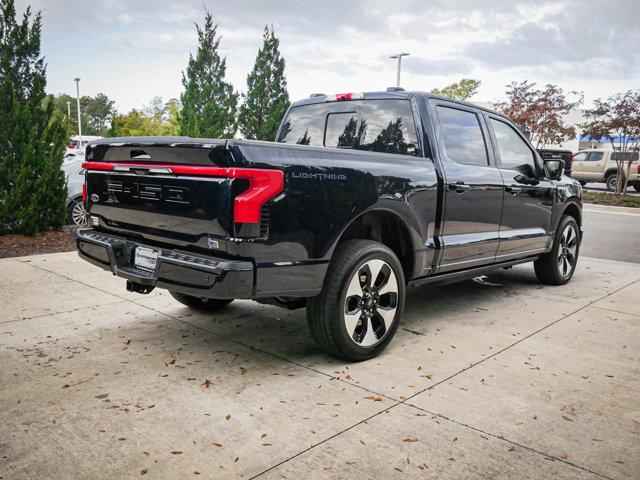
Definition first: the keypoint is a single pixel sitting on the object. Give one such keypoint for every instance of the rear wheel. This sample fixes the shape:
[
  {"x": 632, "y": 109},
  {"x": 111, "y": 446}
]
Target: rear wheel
[
  {"x": 361, "y": 303},
  {"x": 199, "y": 303},
  {"x": 557, "y": 266},
  {"x": 611, "y": 181}
]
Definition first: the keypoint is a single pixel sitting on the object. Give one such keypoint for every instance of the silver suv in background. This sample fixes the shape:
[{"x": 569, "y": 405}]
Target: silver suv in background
[{"x": 72, "y": 167}]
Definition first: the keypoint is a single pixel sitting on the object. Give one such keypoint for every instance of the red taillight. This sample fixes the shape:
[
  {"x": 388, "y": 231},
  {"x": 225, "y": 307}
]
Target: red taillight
[
  {"x": 263, "y": 184},
  {"x": 639, "y": 169},
  {"x": 571, "y": 159},
  {"x": 84, "y": 192}
]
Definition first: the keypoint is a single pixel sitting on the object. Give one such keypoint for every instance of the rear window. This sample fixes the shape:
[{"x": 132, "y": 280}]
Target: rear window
[{"x": 374, "y": 125}]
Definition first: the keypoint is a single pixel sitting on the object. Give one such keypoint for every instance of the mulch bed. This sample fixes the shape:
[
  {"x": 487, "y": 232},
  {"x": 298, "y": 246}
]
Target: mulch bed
[{"x": 18, "y": 245}]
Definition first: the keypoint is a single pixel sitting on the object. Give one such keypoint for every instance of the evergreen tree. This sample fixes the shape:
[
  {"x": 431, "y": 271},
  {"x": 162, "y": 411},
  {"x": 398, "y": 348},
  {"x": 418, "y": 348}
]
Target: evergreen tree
[
  {"x": 33, "y": 189},
  {"x": 209, "y": 104},
  {"x": 266, "y": 99}
]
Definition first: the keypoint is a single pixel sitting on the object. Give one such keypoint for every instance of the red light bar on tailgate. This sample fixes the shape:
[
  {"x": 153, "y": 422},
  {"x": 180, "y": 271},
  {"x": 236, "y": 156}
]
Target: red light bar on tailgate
[{"x": 263, "y": 184}]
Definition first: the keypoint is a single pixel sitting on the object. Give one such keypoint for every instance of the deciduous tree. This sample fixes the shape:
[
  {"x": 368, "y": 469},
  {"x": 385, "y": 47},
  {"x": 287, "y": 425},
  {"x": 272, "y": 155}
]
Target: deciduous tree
[
  {"x": 540, "y": 112},
  {"x": 209, "y": 104},
  {"x": 266, "y": 99},
  {"x": 462, "y": 90},
  {"x": 616, "y": 120}
]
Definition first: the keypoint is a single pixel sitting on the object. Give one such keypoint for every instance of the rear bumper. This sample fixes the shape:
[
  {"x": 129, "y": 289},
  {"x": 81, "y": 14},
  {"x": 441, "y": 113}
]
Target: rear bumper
[{"x": 179, "y": 271}]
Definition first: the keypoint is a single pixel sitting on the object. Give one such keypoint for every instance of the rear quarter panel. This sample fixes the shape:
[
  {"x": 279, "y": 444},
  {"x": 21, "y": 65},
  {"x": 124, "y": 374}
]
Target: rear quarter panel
[{"x": 326, "y": 189}]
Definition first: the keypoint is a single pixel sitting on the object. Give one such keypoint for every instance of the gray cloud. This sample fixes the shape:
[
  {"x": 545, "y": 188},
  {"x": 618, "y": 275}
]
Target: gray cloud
[{"x": 135, "y": 50}]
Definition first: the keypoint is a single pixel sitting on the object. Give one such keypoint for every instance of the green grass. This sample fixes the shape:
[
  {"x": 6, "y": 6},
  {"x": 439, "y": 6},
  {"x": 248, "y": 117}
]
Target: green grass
[{"x": 612, "y": 200}]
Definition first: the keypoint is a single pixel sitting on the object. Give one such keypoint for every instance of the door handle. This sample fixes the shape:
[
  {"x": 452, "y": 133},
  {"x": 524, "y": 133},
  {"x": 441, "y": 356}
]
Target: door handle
[
  {"x": 513, "y": 190},
  {"x": 459, "y": 187}
]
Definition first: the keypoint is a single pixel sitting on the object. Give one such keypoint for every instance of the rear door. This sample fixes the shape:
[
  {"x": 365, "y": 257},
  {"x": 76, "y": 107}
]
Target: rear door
[
  {"x": 472, "y": 190},
  {"x": 528, "y": 195}
]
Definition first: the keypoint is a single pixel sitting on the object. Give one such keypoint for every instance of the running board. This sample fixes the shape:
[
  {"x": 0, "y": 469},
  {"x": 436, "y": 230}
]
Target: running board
[{"x": 460, "y": 275}]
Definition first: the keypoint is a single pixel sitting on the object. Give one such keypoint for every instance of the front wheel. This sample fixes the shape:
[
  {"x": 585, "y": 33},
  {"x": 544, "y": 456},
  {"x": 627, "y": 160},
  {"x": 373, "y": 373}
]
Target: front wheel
[
  {"x": 199, "y": 303},
  {"x": 557, "y": 266},
  {"x": 359, "y": 309}
]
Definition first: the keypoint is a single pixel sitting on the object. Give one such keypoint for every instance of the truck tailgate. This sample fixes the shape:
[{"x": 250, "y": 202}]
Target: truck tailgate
[
  {"x": 182, "y": 208},
  {"x": 176, "y": 190}
]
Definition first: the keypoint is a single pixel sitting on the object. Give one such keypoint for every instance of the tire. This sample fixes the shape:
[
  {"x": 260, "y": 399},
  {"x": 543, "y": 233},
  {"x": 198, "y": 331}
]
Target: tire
[
  {"x": 76, "y": 213},
  {"x": 356, "y": 316},
  {"x": 558, "y": 266},
  {"x": 610, "y": 181},
  {"x": 204, "y": 304},
  {"x": 582, "y": 182}
]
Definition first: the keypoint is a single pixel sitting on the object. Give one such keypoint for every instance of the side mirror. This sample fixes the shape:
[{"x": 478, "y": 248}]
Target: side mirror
[{"x": 553, "y": 169}]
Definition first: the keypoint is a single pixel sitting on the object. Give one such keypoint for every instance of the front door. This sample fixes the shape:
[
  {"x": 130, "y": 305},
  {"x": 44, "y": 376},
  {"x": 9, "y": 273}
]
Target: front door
[
  {"x": 528, "y": 195},
  {"x": 473, "y": 187}
]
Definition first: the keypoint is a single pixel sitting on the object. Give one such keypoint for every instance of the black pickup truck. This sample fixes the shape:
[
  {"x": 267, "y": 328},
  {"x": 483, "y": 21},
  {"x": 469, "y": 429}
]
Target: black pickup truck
[{"x": 360, "y": 196}]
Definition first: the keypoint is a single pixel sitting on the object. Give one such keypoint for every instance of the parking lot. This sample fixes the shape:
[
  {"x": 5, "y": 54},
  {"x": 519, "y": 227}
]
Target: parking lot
[{"x": 482, "y": 381}]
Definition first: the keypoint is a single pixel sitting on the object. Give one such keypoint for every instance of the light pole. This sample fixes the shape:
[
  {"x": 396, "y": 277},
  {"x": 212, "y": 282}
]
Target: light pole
[
  {"x": 77, "y": 80},
  {"x": 68, "y": 109},
  {"x": 399, "y": 57}
]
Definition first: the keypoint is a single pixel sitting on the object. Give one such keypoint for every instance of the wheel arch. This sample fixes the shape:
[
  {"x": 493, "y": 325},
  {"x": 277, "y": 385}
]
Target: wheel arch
[{"x": 387, "y": 227}]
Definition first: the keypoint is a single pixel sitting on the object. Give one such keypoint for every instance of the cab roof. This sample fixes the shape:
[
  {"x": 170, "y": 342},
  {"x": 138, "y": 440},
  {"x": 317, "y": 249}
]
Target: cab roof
[{"x": 395, "y": 94}]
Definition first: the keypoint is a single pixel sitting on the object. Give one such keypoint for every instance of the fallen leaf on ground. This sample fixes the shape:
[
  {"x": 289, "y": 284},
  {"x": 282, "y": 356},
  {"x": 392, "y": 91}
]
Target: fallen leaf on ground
[
  {"x": 176, "y": 452},
  {"x": 206, "y": 383},
  {"x": 227, "y": 417},
  {"x": 568, "y": 419},
  {"x": 66, "y": 385},
  {"x": 564, "y": 455},
  {"x": 410, "y": 439},
  {"x": 143, "y": 471},
  {"x": 215, "y": 444},
  {"x": 374, "y": 398}
]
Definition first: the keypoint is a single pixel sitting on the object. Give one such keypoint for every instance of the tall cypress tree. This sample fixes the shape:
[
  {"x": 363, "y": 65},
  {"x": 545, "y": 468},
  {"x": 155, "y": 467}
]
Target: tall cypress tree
[
  {"x": 209, "y": 104},
  {"x": 33, "y": 188},
  {"x": 267, "y": 98}
]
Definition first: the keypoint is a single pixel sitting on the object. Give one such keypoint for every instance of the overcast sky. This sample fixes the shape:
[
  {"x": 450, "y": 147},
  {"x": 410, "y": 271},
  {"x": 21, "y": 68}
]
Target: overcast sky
[{"x": 134, "y": 50}]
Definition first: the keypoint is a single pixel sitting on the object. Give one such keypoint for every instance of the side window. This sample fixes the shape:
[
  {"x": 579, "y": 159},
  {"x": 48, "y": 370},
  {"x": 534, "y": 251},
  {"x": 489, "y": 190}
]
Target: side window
[
  {"x": 514, "y": 152},
  {"x": 580, "y": 157},
  {"x": 594, "y": 156},
  {"x": 462, "y": 136}
]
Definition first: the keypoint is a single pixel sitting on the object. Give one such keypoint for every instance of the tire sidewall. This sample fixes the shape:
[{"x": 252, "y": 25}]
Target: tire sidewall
[
  {"x": 346, "y": 344},
  {"x": 608, "y": 180},
  {"x": 566, "y": 220}
]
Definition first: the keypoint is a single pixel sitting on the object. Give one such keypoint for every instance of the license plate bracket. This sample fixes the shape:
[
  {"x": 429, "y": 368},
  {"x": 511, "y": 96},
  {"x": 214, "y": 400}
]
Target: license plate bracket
[{"x": 145, "y": 258}]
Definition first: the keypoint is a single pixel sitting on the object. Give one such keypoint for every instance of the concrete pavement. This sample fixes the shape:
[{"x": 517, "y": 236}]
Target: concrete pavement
[{"x": 517, "y": 380}]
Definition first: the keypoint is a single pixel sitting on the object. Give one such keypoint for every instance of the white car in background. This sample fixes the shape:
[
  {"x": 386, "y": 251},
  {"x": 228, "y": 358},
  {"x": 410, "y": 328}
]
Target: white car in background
[{"x": 72, "y": 167}]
